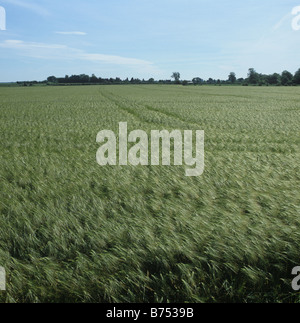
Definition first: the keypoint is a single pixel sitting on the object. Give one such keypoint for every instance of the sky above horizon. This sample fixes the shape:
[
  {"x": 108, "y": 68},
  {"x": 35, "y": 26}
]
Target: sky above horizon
[{"x": 147, "y": 38}]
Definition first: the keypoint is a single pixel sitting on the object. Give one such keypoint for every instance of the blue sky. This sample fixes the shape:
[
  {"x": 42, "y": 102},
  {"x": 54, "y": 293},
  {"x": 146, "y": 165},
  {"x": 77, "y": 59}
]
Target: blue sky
[{"x": 147, "y": 38}]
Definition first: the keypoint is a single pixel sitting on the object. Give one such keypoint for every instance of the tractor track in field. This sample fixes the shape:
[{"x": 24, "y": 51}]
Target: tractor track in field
[
  {"x": 126, "y": 109},
  {"x": 126, "y": 106},
  {"x": 170, "y": 115}
]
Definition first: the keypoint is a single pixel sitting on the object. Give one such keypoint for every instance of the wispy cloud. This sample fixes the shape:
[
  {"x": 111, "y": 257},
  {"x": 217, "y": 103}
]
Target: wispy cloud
[
  {"x": 281, "y": 21},
  {"x": 21, "y": 45},
  {"x": 63, "y": 52},
  {"x": 29, "y": 5},
  {"x": 76, "y": 33},
  {"x": 112, "y": 59}
]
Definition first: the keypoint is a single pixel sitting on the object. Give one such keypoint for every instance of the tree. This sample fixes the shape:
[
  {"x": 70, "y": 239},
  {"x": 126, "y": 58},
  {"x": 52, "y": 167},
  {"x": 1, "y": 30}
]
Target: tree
[
  {"x": 84, "y": 78},
  {"x": 197, "y": 80},
  {"x": 253, "y": 76},
  {"x": 176, "y": 77},
  {"x": 286, "y": 78},
  {"x": 297, "y": 77},
  {"x": 273, "y": 79},
  {"x": 232, "y": 77},
  {"x": 52, "y": 79},
  {"x": 94, "y": 79}
]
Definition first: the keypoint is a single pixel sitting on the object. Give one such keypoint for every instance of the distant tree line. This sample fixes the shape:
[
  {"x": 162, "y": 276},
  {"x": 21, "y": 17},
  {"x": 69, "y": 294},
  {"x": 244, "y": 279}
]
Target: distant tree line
[
  {"x": 286, "y": 78},
  {"x": 86, "y": 79}
]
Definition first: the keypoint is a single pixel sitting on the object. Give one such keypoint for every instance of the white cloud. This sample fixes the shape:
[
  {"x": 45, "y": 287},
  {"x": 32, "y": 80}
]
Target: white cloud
[
  {"x": 63, "y": 52},
  {"x": 281, "y": 21},
  {"x": 76, "y": 33},
  {"x": 28, "y": 46},
  {"x": 112, "y": 59}
]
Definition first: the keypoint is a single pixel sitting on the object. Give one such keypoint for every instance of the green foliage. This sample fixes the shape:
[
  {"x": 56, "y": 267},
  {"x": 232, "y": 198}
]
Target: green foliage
[
  {"x": 253, "y": 76},
  {"x": 197, "y": 81},
  {"x": 273, "y": 79},
  {"x": 232, "y": 77},
  {"x": 297, "y": 77},
  {"x": 286, "y": 78},
  {"x": 176, "y": 77},
  {"x": 72, "y": 231}
]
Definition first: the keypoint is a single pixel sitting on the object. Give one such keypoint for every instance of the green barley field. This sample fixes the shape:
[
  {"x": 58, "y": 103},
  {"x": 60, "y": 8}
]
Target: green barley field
[{"x": 73, "y": 231}]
